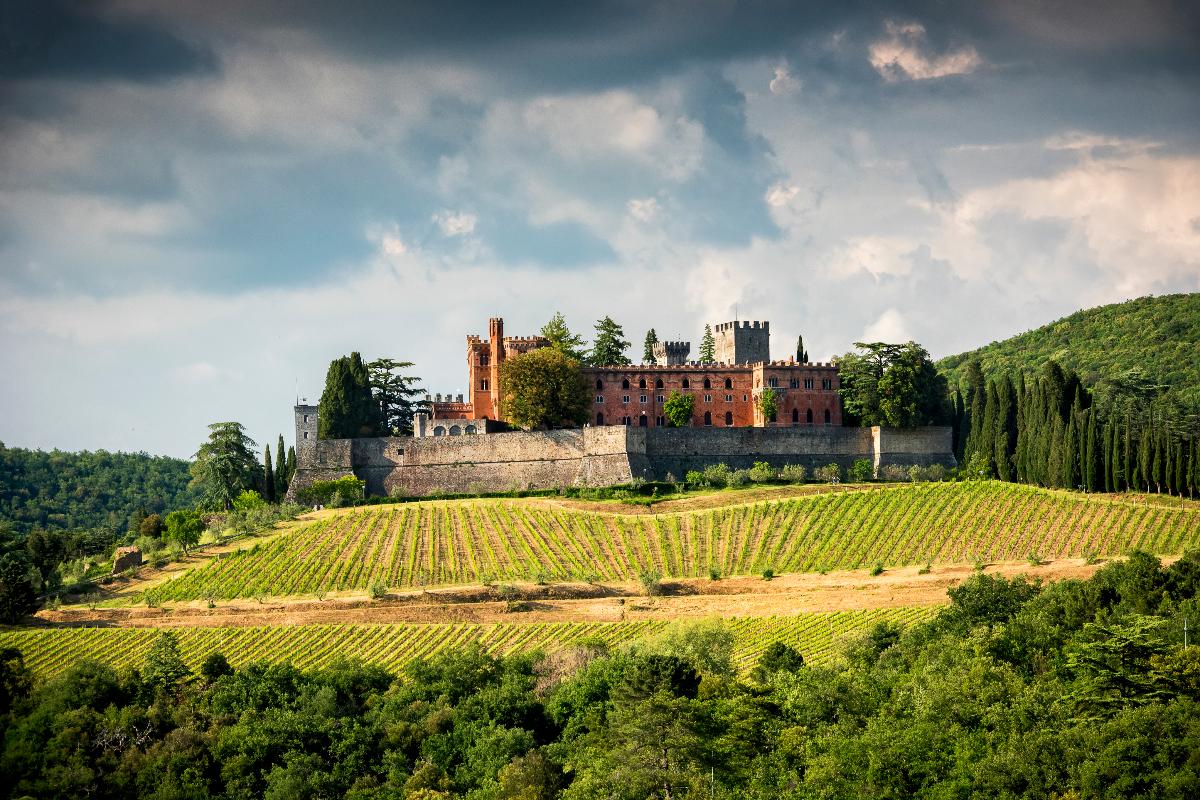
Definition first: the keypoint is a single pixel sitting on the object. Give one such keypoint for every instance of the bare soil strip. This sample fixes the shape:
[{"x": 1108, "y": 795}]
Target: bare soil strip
[{"x": 580, "y": 602}]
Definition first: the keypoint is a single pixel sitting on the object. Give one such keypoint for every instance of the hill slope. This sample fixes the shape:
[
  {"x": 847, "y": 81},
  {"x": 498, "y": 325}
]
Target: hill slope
[
  {"x": 475, "y": 541},
  {"x": 87, "y": 491},
  {"x": 1159, "y": 335}
]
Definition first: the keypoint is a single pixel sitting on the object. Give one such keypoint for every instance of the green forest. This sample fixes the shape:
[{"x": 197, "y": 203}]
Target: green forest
[
  {"x": 1076, "y": 689},
  {"x": 88, "y": 491},
  {"x": 1156, "y": 338}
]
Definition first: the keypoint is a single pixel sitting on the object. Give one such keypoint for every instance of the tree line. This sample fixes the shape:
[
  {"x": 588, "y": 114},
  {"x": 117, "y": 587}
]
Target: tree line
[
  {"x": 1076, "y": 689},
  {"x": 1049, "y": 429}
]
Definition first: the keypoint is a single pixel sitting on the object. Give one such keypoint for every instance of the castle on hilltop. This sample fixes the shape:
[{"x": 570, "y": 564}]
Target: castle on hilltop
[
  {"x": 725, "y": 389},
  {"x": 627, "y": 437}
]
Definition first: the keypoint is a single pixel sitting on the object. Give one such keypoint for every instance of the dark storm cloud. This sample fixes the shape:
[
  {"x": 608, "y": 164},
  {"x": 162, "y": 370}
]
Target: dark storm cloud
[{"x": 54, "y": 39}]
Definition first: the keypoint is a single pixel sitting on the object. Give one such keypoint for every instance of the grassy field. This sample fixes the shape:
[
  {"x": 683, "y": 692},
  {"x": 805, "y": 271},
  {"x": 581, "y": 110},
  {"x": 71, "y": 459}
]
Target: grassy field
[
  {"x": 49, "y": 651},
  {"x": 478, "y": 541}
]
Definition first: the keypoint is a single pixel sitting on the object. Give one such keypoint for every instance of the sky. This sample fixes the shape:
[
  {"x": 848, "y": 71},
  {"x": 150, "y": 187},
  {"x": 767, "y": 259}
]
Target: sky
[{"x": 203, "y": 203}]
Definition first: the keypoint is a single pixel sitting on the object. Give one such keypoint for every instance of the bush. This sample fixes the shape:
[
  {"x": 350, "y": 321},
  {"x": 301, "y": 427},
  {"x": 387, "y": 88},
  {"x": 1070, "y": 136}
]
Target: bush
[
  {"x": 877, "y": 569},
  {"x": 714, "y": 574},
  {"x": 248, "y": 500},
  {"x": 717, "y": 475},
  {"x": 830, "y": 473},
  {"x": 893, "y": 473},
  {"x": 768, "y": 574},
  {"x": 935, "y": 472},
  {"x": 861, "y": 471},
  {"x": 694, "y": 477},
  {"x": 762, "y": 472},
  {"x": 793, "y": 473},
  {"x": 378, "y": 589},
  {"x": 346, "y": 490},
  {"x": 738, "y": 478},
  {"x": 651, "y": 580}
]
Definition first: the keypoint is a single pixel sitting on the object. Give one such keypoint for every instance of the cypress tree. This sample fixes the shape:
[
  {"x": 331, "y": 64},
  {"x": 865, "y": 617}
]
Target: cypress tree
[
  {"x": 801, "y": 353},
  {"x": 1006, "y": 429},
  {"x": 648, "y": 347},
  {"x": 1111, "y": 458},
  {"x": 1055, "y": 471},
  {"x": 956, "y": 427},
  {"x": 281, "y": 485},
  {"x": 291, "y": 465},
  {"x": 1070, "y": 457},
  {"x": 1021, "y": 437},
  {"x": 1156, "y": 465},
  {"x": 1179, "y": 484},
  {"x": 348, "y": 410},
  {"x": 1090, "y": 448},
  {"x": 985, "y": 441},
  {"x": 976, "y": 405},
  {"x": 268, "y": 475},
  {"x": 1127, "y": 456},
  {"x": 1144, "y": 455}
]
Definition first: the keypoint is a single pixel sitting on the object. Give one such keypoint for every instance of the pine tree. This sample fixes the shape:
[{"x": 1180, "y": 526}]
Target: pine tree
[
  {"x": 395, "y": 394},
  {"x": 708, "y": 346},
  {"x": 268, "y": 484},
  {"x": 348, "y": 410},
  {"x": 281, "y": 476},
  {"x": 648, "y": 347},
  {"x": 560, "y": 336},
  {"x": 609, "y": 346}
]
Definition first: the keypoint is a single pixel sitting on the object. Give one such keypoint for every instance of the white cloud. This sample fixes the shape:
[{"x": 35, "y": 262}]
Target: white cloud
[
  {"x": 874, "y": 255},
  {"x": 901, "y": 54},
  {"x": 784, "y": 83},
  {"x": 200, "y": 372},
  {"x": 455, "y": 223},
  {"x": 890, "y": 326},
  {"x": 644, "y": 209},
  {"x": 780, "y": 194}
]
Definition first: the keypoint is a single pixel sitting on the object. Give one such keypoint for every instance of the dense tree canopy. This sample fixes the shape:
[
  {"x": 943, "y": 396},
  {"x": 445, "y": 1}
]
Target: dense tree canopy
[
  {"x": 225, "y": 465},
  {"x": 892, "y": 384},
  {"x": 571, "y": 344},
  {"x": 88, "y": 491},
  {"x": 348, "y": 408},
  {"x": 543, "y": 388},
  {"x": 395, "y": 393}
]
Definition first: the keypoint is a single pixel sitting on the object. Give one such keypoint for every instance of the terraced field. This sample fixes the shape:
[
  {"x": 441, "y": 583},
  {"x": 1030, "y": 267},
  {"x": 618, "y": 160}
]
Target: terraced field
[
  {"x": 476, "y": 541},
  {"x": 49, "y": 651}
]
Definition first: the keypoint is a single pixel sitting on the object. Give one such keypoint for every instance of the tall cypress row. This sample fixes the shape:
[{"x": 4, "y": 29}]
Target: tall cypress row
[
  {"x": 1179, "y": 484},
  {"x": 1092, "y": 448},
  {"x": 1070, "y": 455},
  {"x": 1019, "y": 433},
  {"x": 281, "y": 476},
  {"x": 268, "y": 475},
  {"x": 1006, "y": 429},
  {"x": 1145, "y": 455}
]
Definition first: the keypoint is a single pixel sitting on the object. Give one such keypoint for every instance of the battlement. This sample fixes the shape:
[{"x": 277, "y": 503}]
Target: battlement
[
  {"x": 745, "y": 323},
  {"x": 671, "y": 353},
  {"x": 538, "y": 340}
]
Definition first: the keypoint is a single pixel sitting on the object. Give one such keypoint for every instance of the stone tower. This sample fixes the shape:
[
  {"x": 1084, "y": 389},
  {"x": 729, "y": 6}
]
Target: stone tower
[
  {"x": 742, "y": 342},
  {"x": 671, "y": 353},
  {"x": 306, "y": 427}
]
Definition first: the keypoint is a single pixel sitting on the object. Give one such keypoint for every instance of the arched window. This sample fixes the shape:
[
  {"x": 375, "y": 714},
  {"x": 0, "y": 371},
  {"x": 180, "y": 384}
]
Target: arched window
[
  {"x": 484, "y": 360},
  {"x": 643, "y": 421},
  {"x": 470, "y": 429},
  {"x": 658, "y": 384},
  {"x": 686, "y": 384},
  {"x": 728, "y": 383},
  {"x": 455, "y": 430},
  {"x": 707, "y": 383},
  {"x": 728, "y": 417},
  {"x": 795, "y": 416},
  {"x": 642, "y": 383},
  {"x": 827, "y": 416},
  {"x": 808, "y": 417},
  {"x": 708, "y": 418},
  {"x": 599, "y": 384},
  {"x": 439, "y": 431},
  {"x": 625, "y": 383},
  {"x": 599, "y": 417}
]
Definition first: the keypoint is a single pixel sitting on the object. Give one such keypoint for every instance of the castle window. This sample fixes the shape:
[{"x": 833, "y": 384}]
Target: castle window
[
  {"x": 643, "y": 421},
  {"x": 827, "y": 422},
  {"x": 660, "y": 422},
  {"x": 662, "y": 398},
  {"x": 625, "y": 383},
  {"x": 793, "y": 383},
  {"x": 686, "y": 384},
  {"x": 399, "y": 451},
  {"x": 624, "y": 398},
  {"x": 642, "y": 399},
  {"x": 306, "y": 434},
  {"x": 626, "y": 420},
  {"x": 483, "y": 386},
  {"x": 658, "y": 384},
  {"x": 728, "y": 383},
  {"x": 599, "y": 385},
  {"x": 455, "y": 430},
  {"x": 642, "y": 383},
  {"x": 728, "y": 398},
  {"x": 707, "y": 383},
  {"x": 306, "y": 417},
  {"x": 795, "y": 416},
  {"x": 439, "y": 431},
  {"x": 599, "y": 398},
  {"x": 470, "y": 429},
  {"x": 708, "y": 398},
  {"x": 808, "y": 417},
  {"x": 728, "y": 417},
  {"x": 827, "y": 384},
  {"x": 774, "y": 382},
  {"x": 483, "y": 360},
  {"x": 708, "y": 418},
  {"x": 745, "y": 398},
  {"x": 599, "y": 417},
  {"x": 808, "y": 383}
]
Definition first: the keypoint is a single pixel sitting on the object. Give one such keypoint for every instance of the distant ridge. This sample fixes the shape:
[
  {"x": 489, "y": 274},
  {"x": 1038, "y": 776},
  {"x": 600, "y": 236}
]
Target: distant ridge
[{"x": 1158, "y": 335}]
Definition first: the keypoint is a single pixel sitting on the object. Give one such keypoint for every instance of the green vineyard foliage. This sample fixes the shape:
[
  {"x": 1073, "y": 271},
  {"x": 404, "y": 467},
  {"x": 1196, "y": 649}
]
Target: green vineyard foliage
[
  {"x": 468, "y": 541},
  {"x": 49, "y": 651}
]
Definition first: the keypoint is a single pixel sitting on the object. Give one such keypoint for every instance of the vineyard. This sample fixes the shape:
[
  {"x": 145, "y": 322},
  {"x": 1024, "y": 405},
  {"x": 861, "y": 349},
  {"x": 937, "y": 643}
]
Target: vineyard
[
  {"x": 478, "y": 541},
  {"x": 49, "y": 651}
]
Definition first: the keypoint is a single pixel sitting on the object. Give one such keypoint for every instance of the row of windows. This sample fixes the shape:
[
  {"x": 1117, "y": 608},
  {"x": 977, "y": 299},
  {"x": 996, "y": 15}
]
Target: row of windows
[{"x": 643, "y": 420}]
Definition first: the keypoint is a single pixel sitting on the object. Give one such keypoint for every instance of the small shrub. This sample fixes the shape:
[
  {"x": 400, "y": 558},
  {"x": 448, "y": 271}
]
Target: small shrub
[
  {"x": 893, "y": 473},
  {"x": 762, "y": 472},
  {"x": 694, "y": 477},
  {"x": 378, "y": 590},
  {"x": 651, "y": 580},
  {"x": 54, "y": 603},
  {"x": 507, "y": 592},
  {"x": 980, "y": 564},
  {"x": 1091, "y": 557},
  {"x": 518, "y": 606},
  {"x": 925, "y": 570},
  {"x": 321, "y": 595},
  {"x": 210, "y": 598},
  {"x": 768, "y": 574},
  {"x": 793, "y": 473},
  {"x": 738, "y": 478},
  {"x": 1035, "y": 559},
  {"x": 150, "y": 599},
  {"x": 542, "y": 577},
  {"x": 861, "y": 471},
  {"x": 714, "y": 574},
  {"x": 917, "y": 474},
  {"x": 717, "y": 475},
  {"x": 830, "y": 473},
  {"x": 877, "y": 569},
  {"x": 935, "y": 472},
  {"x": 260, "y": 597}
]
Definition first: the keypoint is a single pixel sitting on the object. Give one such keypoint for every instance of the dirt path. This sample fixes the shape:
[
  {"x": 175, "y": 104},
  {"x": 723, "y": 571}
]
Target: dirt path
[{"x": 741, "y": 597}]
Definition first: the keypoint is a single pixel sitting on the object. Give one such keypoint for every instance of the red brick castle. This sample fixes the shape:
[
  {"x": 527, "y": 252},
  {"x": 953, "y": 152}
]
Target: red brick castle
[{"x": 724, "y": 390}]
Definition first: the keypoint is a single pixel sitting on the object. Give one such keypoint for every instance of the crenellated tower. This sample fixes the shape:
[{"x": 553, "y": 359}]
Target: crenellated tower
[
  {"x": 671, "y": 353},
  {"x": 742, "y": 342}
]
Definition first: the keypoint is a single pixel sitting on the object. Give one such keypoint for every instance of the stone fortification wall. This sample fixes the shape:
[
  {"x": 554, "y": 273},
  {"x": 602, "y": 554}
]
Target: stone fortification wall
[{"x": 600, "y": 456}]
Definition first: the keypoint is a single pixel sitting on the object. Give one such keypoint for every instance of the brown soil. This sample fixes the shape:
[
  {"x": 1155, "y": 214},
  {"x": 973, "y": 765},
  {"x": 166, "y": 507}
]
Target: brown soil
[{"x": 577, "y": 602}]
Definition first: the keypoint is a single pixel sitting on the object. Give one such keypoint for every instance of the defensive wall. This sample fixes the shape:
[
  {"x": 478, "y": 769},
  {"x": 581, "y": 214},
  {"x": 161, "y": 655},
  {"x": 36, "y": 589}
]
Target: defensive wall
[{"x": 599, "y": 456}]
